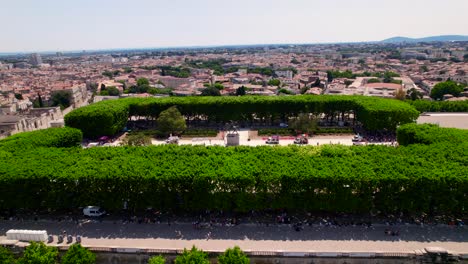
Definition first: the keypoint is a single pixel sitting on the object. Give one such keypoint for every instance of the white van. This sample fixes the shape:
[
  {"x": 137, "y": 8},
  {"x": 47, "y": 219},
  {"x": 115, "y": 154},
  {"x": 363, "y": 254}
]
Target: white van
[{"x": 93, "y": 211}]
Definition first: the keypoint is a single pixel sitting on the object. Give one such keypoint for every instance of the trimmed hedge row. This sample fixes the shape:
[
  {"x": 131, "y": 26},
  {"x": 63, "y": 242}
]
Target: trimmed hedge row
[
  {"x": 332, "y": 178},
  {"x": 440, "y": 106},
  {"x": 430, "y": 134},
  {"x": 101, "y": 119},
  {"x": 108, "y": 117},
  {"x": 51, "y": 137}
]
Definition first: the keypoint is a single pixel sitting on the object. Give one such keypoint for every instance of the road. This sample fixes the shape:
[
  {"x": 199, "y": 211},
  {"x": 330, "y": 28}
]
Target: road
[{"x": 254, "y": 237}]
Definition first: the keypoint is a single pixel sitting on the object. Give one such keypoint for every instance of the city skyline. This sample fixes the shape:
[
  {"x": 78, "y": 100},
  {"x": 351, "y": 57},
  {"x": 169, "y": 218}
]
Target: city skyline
[{"x": 53, "y": 25}]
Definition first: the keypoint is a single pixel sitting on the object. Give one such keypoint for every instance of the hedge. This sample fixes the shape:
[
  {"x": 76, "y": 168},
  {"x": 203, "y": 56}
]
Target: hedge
[
  {"x": 108, "y": 117},
  {"x": 440, "y": 106},
  {"x": 100, "y": 119},
  {"x": 50, "y": 137},
  {"x": 330, "y": 178},
  {"x": 430, "y": 134}
]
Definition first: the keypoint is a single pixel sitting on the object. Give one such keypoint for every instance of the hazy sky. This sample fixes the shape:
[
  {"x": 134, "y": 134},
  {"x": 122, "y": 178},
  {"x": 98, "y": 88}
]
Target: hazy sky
[{"x": 58, "y": 25}]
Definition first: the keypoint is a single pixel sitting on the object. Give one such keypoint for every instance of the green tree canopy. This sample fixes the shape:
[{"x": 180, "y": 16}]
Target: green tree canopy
[
  {"x": 39, "y": 253},
  {"x": 76, "y": 254},
  {"x": 157, "y": 260},
  {"x": 233, "y": 256},
  {"x": 304, "y": 123},
  {"x": 193, "y": 256},
  {"x": 274, "y": 82},
  {"x": 18, "y": 96},
  {"x": 210, "y": 91},
  {"x": 448, "y": 87},
  {"x": 6, "y": 256},
  {"x": 61, "y": 98},
  {"x": 413, "y": 94},
  {"x": 171, "y": 121},
  {"x": 142, "y": 81},
  {"x": 240, "y": 90}
]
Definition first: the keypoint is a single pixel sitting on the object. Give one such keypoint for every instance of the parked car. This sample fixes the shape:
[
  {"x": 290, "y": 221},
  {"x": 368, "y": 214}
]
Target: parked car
[
  {"x": 283, "y": 125},
  {"x": 272, "y": 140},
  {"x": 93, "y": 211},
  {"x": 302, "y": 140},
  {"x": 172, "y": 140}
]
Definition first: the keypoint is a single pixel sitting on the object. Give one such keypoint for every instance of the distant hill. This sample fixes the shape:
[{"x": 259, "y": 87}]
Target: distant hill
[{"x": 427, "y": 39}]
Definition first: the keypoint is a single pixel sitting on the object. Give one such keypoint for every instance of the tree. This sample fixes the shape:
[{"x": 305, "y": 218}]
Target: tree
[
  {"x": 233, "y": 256},
  {"x": 6, "y": 256},
  {"x": 171, "y": 121},
  {"x": 76, "y": 254},
  {"x": 62, "y": 99},
  {"x": 304, "y": 123},
  {"x": 210, "y": 91},
  {"x": 400, "y": 94},
  {"x": 193, "y": 256},
  {"x": 142, "y": 81},
  {"x": 448, "y": 87},
  {"x": 240, "y": 91},
  {"x": 413, "y": 94},
  {"x": 113, "y": 91},
  {"x": 18, "y": 96},
  {"x": 274, "y": 82},
  {"x": 218, "y": 86},
  {"x": 39, "y": 253},
  {"x": 424, "y": 68},
  {"x": 157, "y": 260},
  {"x": 138, "y": 139},
  {"x": 373, "y": 80}
]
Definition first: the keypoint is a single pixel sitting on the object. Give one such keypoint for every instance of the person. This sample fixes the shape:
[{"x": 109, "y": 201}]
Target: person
[{"x": 208, "y": 236}]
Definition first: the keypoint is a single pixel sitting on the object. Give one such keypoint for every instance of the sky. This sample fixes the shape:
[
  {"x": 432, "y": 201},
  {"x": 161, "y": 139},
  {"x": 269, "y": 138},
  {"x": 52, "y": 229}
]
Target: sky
[{"x": 65, "y": 25}]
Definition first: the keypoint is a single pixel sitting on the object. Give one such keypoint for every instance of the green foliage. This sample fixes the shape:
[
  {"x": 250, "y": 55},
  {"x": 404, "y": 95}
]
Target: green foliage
[
  {"x": 216, "y": 65},
  {"x": 6, "y": 256},
  {"x": 109, "y": 117},
  {"x": 233, "y": 256},
  {"x": 284, "y": 91},
  {"x": 160, "y": 91},
  {"x": 39, "y": 253},
  {"x": 448, "y": 87},
  {"x": 413, "y": 177},
  {"x": 76, "y": 254},
  {"x": 51, "y": 137},
  {"x": 137, "y": 140},
  {"x": 100, "y": 119},
  {"x": 210, "y": 91},
  {"x": 295, "y": 61},
  {"x": 61, "y": 98},
  {"x": 304, "y": 123},
  {"x": 193, "y": 256},
  {"x": 18, "y": 96},
  {"x": 440, "y": 106},
  {"x": 240, "y": 91},
  {"x": 142, "y": 81},
  {"x": 413, "y": 94},
  {"x": 111, "y": 90},
  {"x": 171, "y": 121},
  {"x": 429, "y": 134},
  {"x": 374, "y": 80},
  {"x": 178, "y": 72},
  {"x": 218, "y": 86},
  {"x": 261, "y": 70},
  {"x": 276, "y": 131},
  {"x": 274, "y": 82},
  {"x": 157, "y": 260}
]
